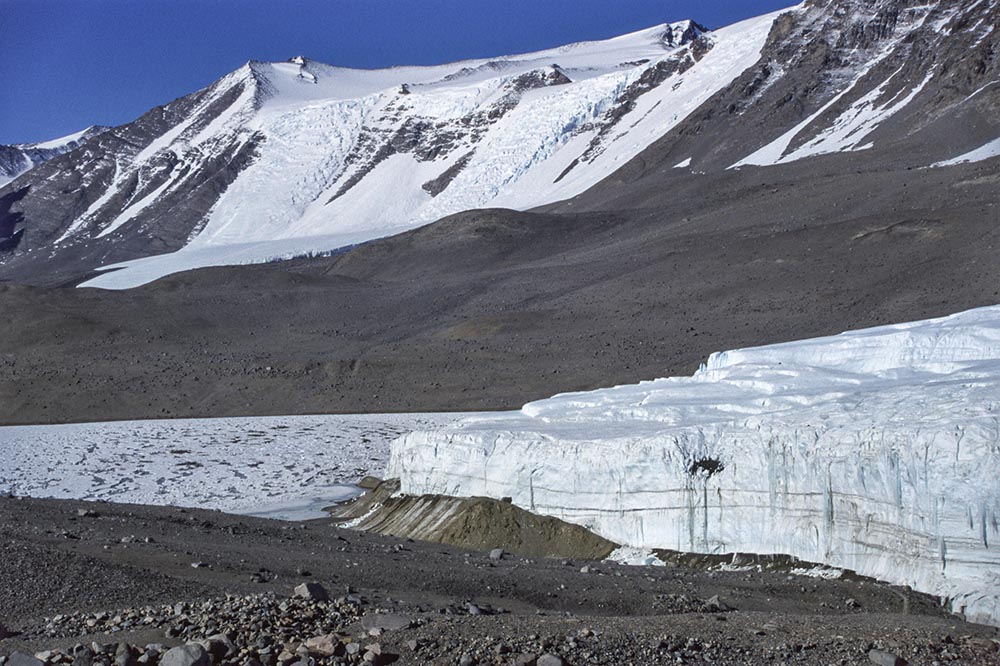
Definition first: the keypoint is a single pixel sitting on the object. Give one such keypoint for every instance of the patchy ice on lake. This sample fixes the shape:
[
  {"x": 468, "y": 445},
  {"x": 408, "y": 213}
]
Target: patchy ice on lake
[
  {"x": 276, "y": 466},
  {"x": 876, "y": 451}
]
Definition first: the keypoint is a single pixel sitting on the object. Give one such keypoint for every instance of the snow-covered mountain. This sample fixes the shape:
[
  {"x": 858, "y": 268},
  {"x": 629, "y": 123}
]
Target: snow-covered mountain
[
  {"x": 21, "y": 157},
  {"x": 292, "y": 158},
  {"x": 277, "y": 159},
  {"x": 874, "y": 450}
]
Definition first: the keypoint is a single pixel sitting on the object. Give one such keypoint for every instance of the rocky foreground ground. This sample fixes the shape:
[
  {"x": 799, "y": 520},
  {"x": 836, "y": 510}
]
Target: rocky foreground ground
[{"x": 102, "y": 584}]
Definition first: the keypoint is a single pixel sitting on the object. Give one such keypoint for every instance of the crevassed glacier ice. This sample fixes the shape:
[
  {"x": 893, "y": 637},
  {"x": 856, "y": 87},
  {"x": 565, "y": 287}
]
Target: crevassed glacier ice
[{"x": 876, "y": 450}]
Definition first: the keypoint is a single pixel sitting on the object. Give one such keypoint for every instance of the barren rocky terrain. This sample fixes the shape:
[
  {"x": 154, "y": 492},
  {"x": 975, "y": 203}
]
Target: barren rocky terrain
[
  {"x": 491, "y": 309},
  {"x": 77, "y": 574}
]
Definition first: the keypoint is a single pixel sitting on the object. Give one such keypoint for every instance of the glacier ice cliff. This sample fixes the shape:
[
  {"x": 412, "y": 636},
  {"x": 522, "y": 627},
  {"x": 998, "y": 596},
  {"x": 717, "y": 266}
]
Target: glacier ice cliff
[{"x": 875, "y": 450}]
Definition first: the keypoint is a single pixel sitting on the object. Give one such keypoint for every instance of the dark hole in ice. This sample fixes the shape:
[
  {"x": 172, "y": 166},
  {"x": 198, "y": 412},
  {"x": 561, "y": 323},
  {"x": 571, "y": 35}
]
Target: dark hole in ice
[{"x": 709, "y": 465}]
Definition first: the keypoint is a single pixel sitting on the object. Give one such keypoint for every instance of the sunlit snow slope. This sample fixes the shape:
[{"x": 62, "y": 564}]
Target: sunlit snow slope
[
  {"x": 875, "y": 450},
  {"x": 345, "y": 156},
  {"x": 19, "y": 158}
]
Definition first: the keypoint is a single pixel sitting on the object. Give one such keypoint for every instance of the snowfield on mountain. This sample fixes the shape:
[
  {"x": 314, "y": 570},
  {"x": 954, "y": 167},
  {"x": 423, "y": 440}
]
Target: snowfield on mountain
[
  {"x": 299, "y": 158},
  {"x": 518, "y": 131}
]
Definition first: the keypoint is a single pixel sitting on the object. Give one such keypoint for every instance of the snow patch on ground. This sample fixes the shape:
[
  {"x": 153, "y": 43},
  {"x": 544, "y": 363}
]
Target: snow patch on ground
[
  {"x": 984, "y": 152},
  {"x": 276, "y": 466},
  {"x": 631, "y": 556},
  {"x": 826, "y": 573}
]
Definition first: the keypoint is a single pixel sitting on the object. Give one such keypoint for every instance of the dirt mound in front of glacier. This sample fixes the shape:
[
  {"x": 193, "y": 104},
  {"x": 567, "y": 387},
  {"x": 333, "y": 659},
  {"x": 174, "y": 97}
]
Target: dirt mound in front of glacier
[{"x": 480, "y": 523}]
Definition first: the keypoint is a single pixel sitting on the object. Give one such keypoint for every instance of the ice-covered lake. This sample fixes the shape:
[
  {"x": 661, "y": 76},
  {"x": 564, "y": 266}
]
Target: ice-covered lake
[{"x": 278, "y": 466}]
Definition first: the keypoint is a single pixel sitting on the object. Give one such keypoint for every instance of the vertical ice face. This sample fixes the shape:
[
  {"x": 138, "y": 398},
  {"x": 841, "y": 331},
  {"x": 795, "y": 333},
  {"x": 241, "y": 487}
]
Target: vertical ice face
[{"x": 874, "y": 450}]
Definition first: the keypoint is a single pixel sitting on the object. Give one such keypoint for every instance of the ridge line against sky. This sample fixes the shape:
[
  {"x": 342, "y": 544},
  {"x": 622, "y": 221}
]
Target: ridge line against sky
[{"x": 68, "y": 64}]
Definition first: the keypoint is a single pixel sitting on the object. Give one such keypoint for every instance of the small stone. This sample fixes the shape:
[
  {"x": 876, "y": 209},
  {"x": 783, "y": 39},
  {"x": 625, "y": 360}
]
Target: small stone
[
  {"x": 550, "y": 660},
  {"x": 496, "y": 554},
  {"x": 353, "y": 648},
  {"x": 585, "y": 570},
  {"x": 313, "y": 591},
  {"x": 86, "y": 513},
  {"x": 473, "y": 609},
  {"x": 467, "y": 660},
  {"x": 199, "y": 565},
  {"x": 526, "y": 660},
  {"x": 191, "y": 654},
  {"x": 882, "y": 658},
  {"x": 852, "y": 603}
]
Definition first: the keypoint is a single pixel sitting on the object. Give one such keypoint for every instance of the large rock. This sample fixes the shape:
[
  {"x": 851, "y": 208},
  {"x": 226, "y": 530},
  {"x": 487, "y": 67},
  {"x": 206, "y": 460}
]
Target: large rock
[
  {"x": 325, "y": 645},
  {"x": 191, "y": 654},
  {"x": 21, "y": 659},
  {"x": 219, "y": 646},
  {"x": 313, "y": 591}
]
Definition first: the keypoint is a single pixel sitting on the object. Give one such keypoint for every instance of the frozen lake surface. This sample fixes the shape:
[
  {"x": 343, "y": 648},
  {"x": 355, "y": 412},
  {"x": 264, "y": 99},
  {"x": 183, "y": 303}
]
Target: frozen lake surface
[{"x": 276, "y": 466}]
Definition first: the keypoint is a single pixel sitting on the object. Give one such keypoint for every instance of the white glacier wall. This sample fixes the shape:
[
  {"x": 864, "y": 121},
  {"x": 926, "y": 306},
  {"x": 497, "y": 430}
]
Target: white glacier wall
[{"x": 875, "y": 450}]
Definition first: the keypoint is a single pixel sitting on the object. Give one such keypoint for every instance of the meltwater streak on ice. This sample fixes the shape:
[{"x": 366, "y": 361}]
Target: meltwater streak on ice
[{"x": 875, "y": 451}]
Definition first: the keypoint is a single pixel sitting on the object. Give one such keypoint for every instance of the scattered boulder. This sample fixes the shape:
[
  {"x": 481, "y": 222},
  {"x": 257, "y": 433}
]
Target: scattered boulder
[
  {"x": 84, "y": 656},
  {"x": 386, "y": 621},
  {"x": 551, "y": 660},
  {"x": 219, "y": 646},
  {"x": 713, "y": 604},
  {"x": 496, "y": 554},
  {"x": 191, "y": 654},
  {"x": 882, "y": 658},
  {"x": 86, "y": 513},
  {"x": 313, "y": 591},
  {"x": 124, "y": 655},
  {"x": 326, "y": 645}
]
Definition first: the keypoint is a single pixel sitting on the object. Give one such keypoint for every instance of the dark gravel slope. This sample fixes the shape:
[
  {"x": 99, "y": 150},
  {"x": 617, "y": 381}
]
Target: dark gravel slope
[
  {"x": 490, "y": 309},
  {"x": 57, "y": 562}
]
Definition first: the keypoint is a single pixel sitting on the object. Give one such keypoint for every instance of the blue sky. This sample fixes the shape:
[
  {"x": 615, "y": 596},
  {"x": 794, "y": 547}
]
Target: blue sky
[{"x": 67, "y": 64}]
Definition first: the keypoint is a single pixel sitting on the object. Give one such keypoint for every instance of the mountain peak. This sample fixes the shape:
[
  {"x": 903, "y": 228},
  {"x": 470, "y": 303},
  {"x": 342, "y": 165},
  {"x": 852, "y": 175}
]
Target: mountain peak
[{"x": 682, "y": 32}]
